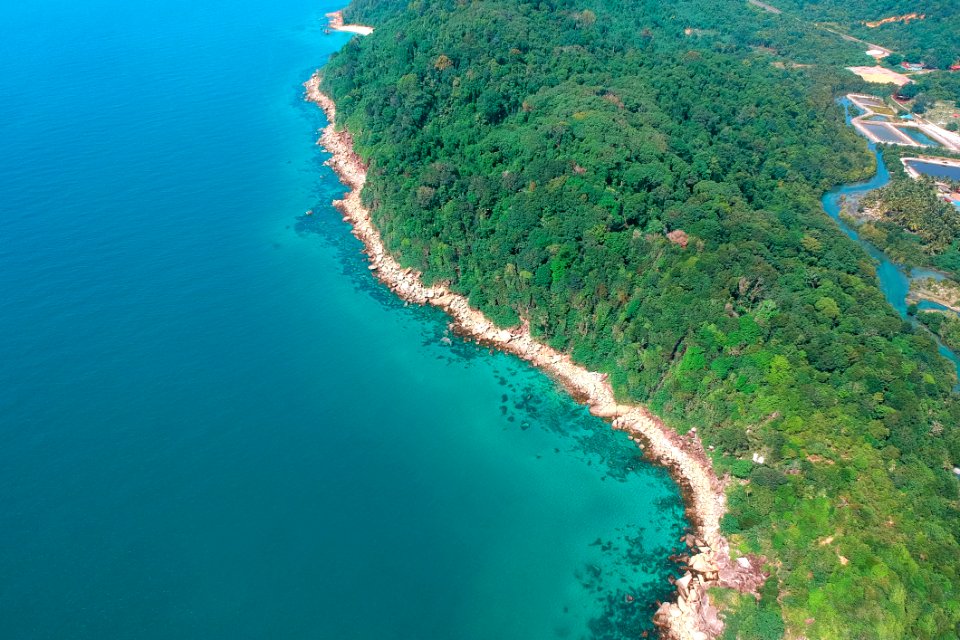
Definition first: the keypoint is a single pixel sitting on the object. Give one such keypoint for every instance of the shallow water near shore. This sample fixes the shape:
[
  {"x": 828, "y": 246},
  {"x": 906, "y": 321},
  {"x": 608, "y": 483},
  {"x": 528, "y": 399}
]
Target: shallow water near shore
[{"x": 216, "y": 424}]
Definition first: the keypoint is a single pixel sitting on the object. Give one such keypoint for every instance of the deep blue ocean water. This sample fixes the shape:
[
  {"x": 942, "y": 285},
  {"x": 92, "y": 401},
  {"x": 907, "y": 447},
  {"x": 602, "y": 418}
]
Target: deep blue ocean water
[{"x": 213, "y": 422}]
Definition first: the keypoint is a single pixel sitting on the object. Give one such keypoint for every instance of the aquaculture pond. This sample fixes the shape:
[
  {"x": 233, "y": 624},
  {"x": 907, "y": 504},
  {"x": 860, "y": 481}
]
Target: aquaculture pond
[
  {"x": 935, "y": 169},
  {"x": 883, "y": 133},
  {"x": 918, "y": 136},
  {"x": 894, "y": 279}
]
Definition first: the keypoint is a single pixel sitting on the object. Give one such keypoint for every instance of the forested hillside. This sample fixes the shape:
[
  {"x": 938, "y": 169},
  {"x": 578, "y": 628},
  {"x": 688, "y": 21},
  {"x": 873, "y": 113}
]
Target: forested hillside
[
  {"x": 641, "y": 182},
  {"x": 927, "y": 31}
]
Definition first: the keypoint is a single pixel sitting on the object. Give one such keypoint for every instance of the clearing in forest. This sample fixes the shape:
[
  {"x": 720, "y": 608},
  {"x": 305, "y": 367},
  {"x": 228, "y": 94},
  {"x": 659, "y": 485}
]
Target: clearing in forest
[{"x": 880, "y": 75}]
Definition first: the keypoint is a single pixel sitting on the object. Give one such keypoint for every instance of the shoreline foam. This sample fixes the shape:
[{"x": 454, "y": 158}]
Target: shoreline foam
[
  {"x": 335, "y": 20},
  {"x": 691, "y": 617}
]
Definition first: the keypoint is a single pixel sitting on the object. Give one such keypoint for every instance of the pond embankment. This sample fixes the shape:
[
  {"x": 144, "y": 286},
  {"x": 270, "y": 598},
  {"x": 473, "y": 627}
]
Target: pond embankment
[{"x": 895, "y": 281}]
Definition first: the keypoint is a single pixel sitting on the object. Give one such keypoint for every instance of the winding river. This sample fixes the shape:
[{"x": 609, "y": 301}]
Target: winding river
[{"x": 894, "y": 279}]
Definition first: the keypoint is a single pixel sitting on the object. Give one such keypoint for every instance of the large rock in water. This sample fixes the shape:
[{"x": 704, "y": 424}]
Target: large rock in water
[
  {"x": 683, "y": 584},
  {"x": 702, "y": 563}
]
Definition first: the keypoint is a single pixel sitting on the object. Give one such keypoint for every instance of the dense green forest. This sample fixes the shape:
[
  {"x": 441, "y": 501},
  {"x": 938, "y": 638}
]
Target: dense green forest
[
  {"x": 927, "y": 89},
  {"x": 536, "y": 154},
  {"x": 946, "y": 326},
  {"x": 933, "y": 38}
]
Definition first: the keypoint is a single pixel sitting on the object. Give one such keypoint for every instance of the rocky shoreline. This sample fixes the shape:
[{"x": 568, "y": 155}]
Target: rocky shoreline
[{"x": 691, "y": 616}]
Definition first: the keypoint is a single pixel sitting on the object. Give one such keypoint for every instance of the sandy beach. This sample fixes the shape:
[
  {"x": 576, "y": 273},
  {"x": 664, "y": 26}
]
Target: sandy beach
[
  {"x": 336, "y": 24},
  {"x": 691, "y": 616}
]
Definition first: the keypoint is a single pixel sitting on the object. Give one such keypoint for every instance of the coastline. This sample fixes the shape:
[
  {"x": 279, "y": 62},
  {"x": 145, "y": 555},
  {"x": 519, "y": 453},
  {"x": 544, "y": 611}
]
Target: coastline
[
  {"x": 691, "y": 616},
  {"x": 336, "y": 24}
]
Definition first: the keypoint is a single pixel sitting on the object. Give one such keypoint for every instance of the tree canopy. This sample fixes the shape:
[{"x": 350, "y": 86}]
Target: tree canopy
[{"x": 536, "y": 155}]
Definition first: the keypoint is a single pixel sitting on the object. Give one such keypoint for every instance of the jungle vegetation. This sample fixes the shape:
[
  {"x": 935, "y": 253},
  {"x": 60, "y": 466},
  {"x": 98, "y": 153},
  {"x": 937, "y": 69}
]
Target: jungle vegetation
[
  {"x": 927, "y": 32},
  {"x": 536, "y": 155},
  {"x": 912, "y": 224},
  {"x": 945, "y": 325},
  {"x": 927, "y": 89}
]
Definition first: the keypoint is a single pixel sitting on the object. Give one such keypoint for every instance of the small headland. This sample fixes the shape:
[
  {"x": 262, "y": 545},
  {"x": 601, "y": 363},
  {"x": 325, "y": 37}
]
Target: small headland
[{"x": 336, "y": 24}]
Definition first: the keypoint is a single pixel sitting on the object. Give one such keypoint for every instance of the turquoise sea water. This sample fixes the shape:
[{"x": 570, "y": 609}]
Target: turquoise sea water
[{"x": 215, "y": 424}]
